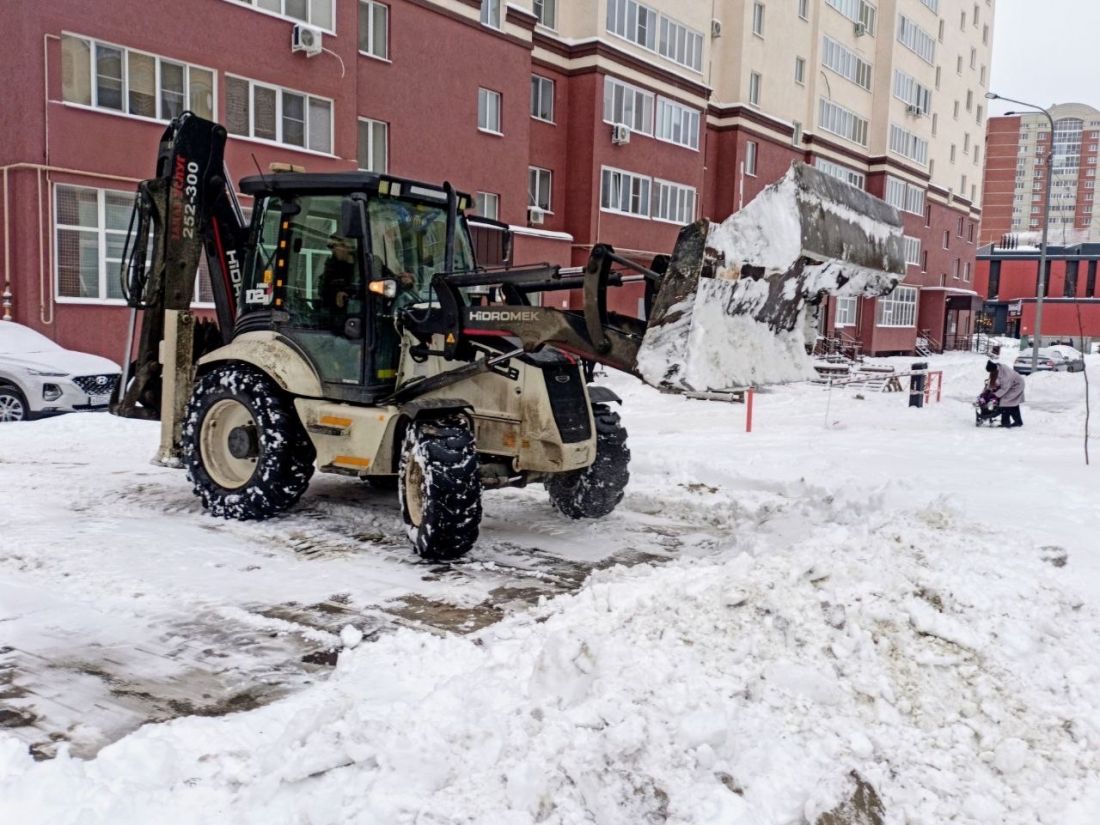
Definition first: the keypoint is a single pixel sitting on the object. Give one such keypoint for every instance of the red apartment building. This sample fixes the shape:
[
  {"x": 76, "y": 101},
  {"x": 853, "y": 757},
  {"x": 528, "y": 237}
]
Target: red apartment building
[
  {"x": 508, "y": 103},
  {"x": 1008, "y": 279},
  {"x": 1016, "y": 175}
]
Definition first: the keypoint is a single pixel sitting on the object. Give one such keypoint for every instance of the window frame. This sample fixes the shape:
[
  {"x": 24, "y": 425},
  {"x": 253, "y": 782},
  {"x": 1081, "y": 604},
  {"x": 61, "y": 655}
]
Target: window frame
[
  {"x": 540, "y": 81},
  {"x": 125, "y": 51},
  {"x": 279, "y": 126},
  {"x": 371, "y": 6},
  {"x": 543, "y": 4},
  {"x": 490, "y": 95},
  {"x": 681, "y": 214},
  {"x": 849, "y": 304},
  {"x": 481, "y": 198},
  {"x": 644, "y": 200},
  {"x": 536, "y": 174},
  {"x": 895, "y": 302},
  {"x": 752, "y": 156},
  {"x": 372, "y": 123},
  {"x": 251, "y": 5},
  {"x": 646, "y": 96},
  {"x": 678, "y": 112},
  {"x": 492, "y": 10}
]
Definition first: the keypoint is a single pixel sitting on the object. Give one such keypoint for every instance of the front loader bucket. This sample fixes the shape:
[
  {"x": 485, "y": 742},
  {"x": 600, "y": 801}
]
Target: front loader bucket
[{"x": 735, "y": 305}]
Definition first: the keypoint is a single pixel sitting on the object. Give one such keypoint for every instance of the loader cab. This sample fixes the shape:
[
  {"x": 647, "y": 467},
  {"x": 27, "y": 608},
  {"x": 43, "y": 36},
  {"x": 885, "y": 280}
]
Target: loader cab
[{"x": 334, "y": 260}]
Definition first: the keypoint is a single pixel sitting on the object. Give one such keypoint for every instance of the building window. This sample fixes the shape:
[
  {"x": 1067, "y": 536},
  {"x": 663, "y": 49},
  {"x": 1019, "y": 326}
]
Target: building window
[
  {"x": 955, "y": 270},
  {"x": 547, "y": 12},
  {"x": 91, "y": 226},
  {"x": 905, "y": 143},
  {"x": 898, "y": 309},
  {"x": 912, "y": 250},
  {"x": 911, "y": 92},
  {"x": 800, "y": 70},
  {"x": 280, "y": 115},
  {"x": 804, "y": 9},
  {"x": 845, "y": 63},
  {"x": 490, "y": 13},
  {"x": 858, "y": 11},
  {"x": 917, "y": 40},
  {"x": 488, "y": 111},
  {"x": 542, "y": 98},
  {"x": 677, "y": 123},
  {"x": 758, "y": 19},
  {"x": 673, "y": 202},
  {"x": 628, "y": 105},
  {"x": 132, "y": 82},
  {"x": 966, "y": 272},
  {"x": 840, "y": 121},
  {"x": 315, "y": 12},
  {"x": 487, "y": 205},
  {"x": 373, "y": 145},
  {"x": 538, "y": 188},
  {"x": 947, "y": 239},
  {"x": 624, "y": 192},
  {"x": 659, "y": 33},
  {"x": 932, "y": 4},
  {"x": 846, "y": 311},
  {"x": 750, "y": 158},
  {"x": 374, "y": 29},
  {"x": 857, "y": 179},
  {"x": 754, "y": 88}
]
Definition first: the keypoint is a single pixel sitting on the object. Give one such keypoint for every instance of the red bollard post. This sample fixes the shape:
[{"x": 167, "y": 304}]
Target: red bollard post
[{"x": 748, "y": 411}]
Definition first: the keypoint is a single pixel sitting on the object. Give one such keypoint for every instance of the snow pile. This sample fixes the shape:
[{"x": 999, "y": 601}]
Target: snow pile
[
  {"x": 934, "y": 658},
  {"x": 746, "y": 296}
]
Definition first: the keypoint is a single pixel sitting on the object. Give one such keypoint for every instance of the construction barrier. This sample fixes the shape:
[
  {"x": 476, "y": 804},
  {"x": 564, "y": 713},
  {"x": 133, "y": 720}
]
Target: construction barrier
[{"x": 740, "y": 395}]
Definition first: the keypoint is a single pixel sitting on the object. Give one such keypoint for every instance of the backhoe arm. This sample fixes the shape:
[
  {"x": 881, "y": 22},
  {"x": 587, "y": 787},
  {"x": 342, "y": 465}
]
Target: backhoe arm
[{"x": 186, "y": 210}]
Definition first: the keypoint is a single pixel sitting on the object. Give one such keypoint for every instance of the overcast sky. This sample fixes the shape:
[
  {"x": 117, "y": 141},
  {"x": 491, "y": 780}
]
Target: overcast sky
[{"x": 1046, "y": 52}]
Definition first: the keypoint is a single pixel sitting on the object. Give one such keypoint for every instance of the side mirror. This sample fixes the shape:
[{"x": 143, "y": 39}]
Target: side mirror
[{"x": 353, "y": 216}]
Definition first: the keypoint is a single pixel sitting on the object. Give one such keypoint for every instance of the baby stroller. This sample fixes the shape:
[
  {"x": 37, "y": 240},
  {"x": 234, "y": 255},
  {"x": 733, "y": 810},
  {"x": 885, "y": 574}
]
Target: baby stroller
[{"x": 987, "y": 410}]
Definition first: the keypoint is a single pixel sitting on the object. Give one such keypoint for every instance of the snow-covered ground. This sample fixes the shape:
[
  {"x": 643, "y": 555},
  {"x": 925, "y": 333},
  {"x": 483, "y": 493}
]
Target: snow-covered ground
[{"x": 854, "y": 588}]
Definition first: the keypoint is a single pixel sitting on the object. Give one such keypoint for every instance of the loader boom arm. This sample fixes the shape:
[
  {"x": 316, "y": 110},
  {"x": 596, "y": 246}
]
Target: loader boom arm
[{"x": 186, "y": 210}]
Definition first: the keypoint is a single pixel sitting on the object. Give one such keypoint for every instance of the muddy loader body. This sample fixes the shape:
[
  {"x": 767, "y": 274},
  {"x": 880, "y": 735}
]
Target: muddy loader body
[{"x": 355, "y": 333}]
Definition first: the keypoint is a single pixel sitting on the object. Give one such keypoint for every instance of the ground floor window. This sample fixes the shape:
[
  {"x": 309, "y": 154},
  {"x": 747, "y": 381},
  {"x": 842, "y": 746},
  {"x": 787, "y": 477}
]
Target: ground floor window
[
  {"x": 898, "y": 309},
  {"x": 90, "y": 236},
  {"x": 846, "y": 311}
]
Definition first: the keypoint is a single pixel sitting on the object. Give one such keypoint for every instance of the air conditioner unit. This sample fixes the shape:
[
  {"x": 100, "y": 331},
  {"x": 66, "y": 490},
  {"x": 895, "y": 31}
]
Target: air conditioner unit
[
  {"x": 306, "y": 39},
  {"x": 914, "y": 109},
  {"x": 535, "y": 216},
  {"x": 861, "y": 29},
  {"x": 716, "y": 28},
  {"x": 620, "y": 134}
]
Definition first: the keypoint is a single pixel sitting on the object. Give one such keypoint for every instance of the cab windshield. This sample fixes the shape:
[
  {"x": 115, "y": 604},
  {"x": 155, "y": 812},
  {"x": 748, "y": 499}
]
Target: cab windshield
[{"x": 409, "y": 238}]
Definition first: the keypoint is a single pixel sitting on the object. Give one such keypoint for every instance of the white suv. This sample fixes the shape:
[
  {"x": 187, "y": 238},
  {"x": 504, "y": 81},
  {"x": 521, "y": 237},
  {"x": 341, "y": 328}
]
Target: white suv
[{"x": 38, "y": 377}]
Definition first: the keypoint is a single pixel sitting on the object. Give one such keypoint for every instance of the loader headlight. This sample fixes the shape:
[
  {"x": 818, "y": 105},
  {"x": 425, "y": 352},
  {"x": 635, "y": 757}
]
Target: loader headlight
[
  {"x": 386, "y": 288},
  {"x": 50, "y": 392}
]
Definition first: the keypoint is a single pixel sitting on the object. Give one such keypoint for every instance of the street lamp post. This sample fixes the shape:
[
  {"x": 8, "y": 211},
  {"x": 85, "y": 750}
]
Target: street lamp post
[{"x": 1041, "y": 289}]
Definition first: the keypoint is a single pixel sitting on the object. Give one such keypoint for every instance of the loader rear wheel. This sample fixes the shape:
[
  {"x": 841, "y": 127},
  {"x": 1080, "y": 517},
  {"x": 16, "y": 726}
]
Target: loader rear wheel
[
  {"x": 439, "y": 486},
  {"x": 245, "y": 450},
  {"x": 597, "y": 489}
]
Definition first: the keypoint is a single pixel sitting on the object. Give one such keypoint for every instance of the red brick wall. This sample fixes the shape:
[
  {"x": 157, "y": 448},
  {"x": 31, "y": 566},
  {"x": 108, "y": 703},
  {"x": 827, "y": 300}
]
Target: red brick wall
[{"x": 1001, "y": 147}]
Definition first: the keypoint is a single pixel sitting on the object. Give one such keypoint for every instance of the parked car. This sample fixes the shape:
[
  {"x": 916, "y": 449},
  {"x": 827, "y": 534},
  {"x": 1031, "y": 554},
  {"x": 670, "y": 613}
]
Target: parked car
[
  {"x": 1051, "y": 359},
  {"x": 38, "y": 377},
  {"x": 1075, "y": 359}
]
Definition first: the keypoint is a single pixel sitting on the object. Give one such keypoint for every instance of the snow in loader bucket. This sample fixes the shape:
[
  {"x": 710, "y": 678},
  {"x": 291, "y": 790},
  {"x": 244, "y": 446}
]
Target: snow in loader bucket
[{"x": 741, "y": 298}]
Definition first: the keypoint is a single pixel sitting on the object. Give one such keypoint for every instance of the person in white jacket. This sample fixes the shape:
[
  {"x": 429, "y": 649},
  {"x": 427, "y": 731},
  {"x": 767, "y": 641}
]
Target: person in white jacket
[{"x": 1008, "y": 386}]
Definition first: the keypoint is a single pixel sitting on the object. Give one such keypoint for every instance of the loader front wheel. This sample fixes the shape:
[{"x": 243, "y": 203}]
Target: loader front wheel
[
  {"x": 245, "y": 450},
  {"x": 439, "y": 486},
  {"x": 597, "y": 489}
]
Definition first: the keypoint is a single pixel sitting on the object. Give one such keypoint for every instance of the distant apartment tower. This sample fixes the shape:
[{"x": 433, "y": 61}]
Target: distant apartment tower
[
  {"x": 1016, "y": 175},
  {"x": 613, "y": 121}
]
